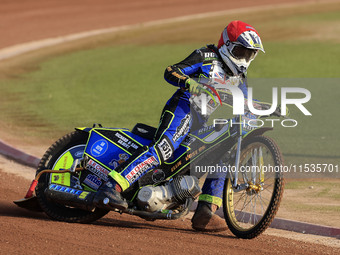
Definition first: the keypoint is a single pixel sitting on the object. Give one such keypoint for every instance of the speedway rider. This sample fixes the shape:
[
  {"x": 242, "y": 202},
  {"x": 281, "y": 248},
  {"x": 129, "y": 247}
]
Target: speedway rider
[{"x": 237, "y": 47}]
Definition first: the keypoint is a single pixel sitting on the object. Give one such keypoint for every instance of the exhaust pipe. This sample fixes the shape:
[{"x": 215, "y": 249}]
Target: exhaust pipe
[{"x": 71, "y": 197}]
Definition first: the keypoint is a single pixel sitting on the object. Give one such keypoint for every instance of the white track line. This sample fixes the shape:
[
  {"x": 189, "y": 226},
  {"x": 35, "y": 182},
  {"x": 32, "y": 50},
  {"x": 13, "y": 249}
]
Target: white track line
[
  {"x": 18, "y": 155},
  {"x": 19, "y": 49}
]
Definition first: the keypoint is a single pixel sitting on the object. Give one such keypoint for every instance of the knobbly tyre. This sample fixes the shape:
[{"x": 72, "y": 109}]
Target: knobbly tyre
[{"x": 77, "y": 165}]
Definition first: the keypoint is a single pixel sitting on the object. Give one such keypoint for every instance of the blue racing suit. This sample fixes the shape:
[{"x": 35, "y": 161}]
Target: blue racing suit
[{"x": 176, "y": 121}]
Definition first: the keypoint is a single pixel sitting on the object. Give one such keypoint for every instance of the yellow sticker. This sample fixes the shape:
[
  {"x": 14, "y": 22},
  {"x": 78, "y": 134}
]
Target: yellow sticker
[
  {"x": 83, "y": 195},
  {"x": 65, "y": 162}
]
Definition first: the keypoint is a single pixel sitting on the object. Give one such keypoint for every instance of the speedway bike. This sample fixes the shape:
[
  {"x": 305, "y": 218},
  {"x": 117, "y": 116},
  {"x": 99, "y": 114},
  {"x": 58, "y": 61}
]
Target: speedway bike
[{"x": 65, "y": 187}]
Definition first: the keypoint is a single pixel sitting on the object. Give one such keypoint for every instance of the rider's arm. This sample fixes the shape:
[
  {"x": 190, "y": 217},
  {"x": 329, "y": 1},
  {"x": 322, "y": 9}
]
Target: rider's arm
[
  {"x": 179, "y": 73},
  {"x": 244, "y": 86}
]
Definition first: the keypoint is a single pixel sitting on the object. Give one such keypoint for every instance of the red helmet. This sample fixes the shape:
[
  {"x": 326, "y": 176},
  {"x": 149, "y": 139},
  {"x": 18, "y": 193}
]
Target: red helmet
[{"x": 239, "y": 45}]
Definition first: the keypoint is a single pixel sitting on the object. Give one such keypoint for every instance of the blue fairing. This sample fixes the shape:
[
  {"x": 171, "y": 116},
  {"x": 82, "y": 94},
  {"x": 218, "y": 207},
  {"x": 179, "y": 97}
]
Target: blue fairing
[{"x": 112, "y": 152}]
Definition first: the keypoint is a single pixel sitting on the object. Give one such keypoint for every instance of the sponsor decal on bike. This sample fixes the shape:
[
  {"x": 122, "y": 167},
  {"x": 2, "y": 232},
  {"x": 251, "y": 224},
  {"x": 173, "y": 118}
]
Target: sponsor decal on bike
[
  {"x": 92, "y": 181},
  {"x": 125, "y": 142},
  {"x": 80, "y": 193},
  {"x": 99, "y": 148},
  {"x": 142, "y": 130},
  {"x": 183, "y": 127},
  {"x": 195, "y": 152},
  {"x": 60, "y": 179},
  {"x": 165, "y": 149},
  {"x": 116, "y": 162},
  {"x": 141, "y": 168},
  {"x": 97, "y": 169},
  {"x": 188, "y": 140},
  {"x": 247, "y": 118},
  {"x": 79, "y": 154},
  {"x": 176, "y": 166},
  {"x": 205, "y": 130}
]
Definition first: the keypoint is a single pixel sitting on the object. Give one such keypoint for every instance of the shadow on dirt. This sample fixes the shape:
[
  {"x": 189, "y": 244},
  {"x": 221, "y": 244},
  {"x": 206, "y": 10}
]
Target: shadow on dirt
[
  {"x": 163, "y": 225},
  {"x": 11, "y": 210}
]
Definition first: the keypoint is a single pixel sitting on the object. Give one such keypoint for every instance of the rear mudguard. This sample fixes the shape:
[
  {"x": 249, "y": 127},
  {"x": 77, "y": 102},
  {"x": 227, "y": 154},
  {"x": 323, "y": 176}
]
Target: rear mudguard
[
  {"x": 88, "y": 129},
  {"x": 84, "y": 129},
  {"x": 256, "y": 132}
]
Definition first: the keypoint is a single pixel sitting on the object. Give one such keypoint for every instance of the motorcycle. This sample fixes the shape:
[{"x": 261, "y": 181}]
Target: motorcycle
[{"x": 65, "y": 186}]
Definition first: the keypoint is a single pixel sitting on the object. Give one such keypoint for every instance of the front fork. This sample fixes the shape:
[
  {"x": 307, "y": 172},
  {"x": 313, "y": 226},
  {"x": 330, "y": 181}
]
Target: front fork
[
  {"x": 239, "y": 187},
  {"x": 237, "y": 161},
  {"x": 256, "y": 158}
]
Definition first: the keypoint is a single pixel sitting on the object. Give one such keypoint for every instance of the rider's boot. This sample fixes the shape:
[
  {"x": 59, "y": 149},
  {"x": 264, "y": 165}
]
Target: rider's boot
[
  {"x": 109, "y": 197},
  {"x": 206, "y": 220}
]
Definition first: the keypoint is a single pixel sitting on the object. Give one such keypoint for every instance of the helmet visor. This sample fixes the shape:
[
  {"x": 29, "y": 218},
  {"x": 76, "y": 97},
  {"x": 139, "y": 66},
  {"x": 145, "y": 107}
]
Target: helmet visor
[{"x": 240, "y": 52}]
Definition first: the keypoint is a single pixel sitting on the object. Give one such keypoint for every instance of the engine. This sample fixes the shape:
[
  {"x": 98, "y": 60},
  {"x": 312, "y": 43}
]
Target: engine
[{"x": 158, "y": 198}]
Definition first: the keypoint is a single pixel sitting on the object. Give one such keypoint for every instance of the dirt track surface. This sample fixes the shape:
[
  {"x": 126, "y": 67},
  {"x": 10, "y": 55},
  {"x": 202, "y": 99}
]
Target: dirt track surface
[
  {"x": 23, "y": 20},
  {"x": 33, "y": 233}
]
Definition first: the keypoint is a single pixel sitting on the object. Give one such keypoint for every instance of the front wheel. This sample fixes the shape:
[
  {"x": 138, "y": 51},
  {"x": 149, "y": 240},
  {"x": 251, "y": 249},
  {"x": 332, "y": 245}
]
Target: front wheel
[
  {"x": 62, "y": 155},
  {"x": 250, "y": 210}
]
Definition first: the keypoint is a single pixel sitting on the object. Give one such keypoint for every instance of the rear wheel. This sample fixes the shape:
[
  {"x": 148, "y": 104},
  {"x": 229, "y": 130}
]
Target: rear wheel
[
  {"x": 250, "y": 210},
  {"x": 62, "y": 155}
]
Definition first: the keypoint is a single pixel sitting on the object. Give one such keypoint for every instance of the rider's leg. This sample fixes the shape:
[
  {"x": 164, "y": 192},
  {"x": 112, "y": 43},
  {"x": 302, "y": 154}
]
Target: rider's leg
[
  {"x": 210, "y": 200},
  {"x": 174, "y": 126}
]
